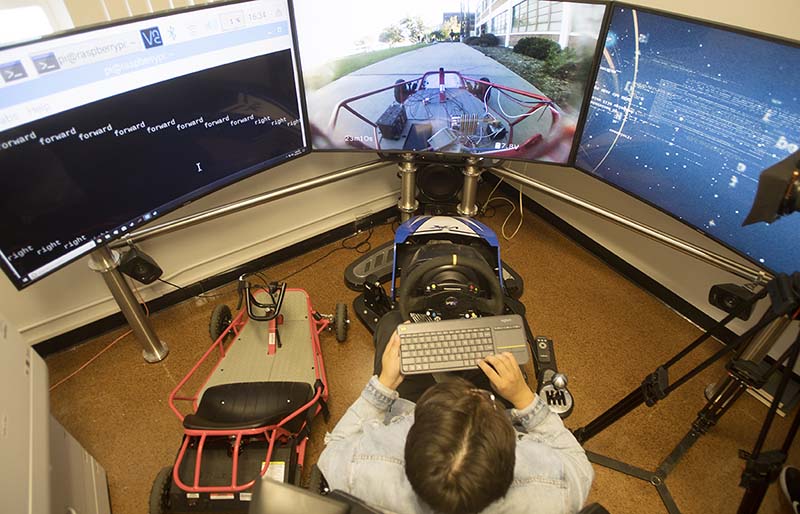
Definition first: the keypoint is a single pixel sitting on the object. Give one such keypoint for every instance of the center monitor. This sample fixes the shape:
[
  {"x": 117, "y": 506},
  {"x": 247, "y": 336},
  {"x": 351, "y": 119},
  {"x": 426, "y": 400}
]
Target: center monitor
[
  {"x": 501, "y": 79},
  {"x": 105, "y": 129}
]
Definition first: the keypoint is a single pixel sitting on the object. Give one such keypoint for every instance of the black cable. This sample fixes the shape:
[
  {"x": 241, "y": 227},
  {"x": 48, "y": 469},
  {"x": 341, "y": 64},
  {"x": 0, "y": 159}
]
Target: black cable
[
  {"x": 343, "y": 246},
  {"x": 361, "y": 248},
  {"x": 201, "y": 295}
]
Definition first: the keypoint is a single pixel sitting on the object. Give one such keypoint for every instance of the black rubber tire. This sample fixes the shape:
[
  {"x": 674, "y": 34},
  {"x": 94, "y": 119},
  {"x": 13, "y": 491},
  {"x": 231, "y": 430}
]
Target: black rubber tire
[
  {"x": 400, "y": 92},
  {"x": 220, "y": 320},
  {"x": 159, "y": 494},
  {"x": 482, "y": 89},
  {"x": 340, "y": 323},
  {"x": 316, "y": 482}
]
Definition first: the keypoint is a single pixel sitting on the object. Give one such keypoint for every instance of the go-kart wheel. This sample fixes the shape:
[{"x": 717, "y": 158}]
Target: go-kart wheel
[
  {"x": 400, "y": 92},
  {"x": 481, "y": 91},
  {"x": 220, "y": 320},
  {"x": 159, "y": 494},
  {"x": 317, "y": 483},
  {"x": 340, "y": 322},
  {"x": 410, "y": 301}
]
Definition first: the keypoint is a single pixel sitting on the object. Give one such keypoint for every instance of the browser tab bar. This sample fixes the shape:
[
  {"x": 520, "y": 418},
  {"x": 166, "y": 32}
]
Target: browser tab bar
[
  {"x": 12, "y": 71},
  {"x": 232, "y": 21}
]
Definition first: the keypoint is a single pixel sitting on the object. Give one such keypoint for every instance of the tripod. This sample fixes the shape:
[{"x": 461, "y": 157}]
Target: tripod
[{"x": 762, "y": 468}]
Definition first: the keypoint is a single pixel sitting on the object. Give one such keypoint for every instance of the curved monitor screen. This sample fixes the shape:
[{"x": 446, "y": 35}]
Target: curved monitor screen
[
  {"x": 106, "y": 129},
  {"x": 443, "y": 77},
  {"x": 686, "y": 115}
]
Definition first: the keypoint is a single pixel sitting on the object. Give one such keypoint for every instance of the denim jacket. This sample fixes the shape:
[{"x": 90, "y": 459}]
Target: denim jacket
[{"x": 364, "y": 456}]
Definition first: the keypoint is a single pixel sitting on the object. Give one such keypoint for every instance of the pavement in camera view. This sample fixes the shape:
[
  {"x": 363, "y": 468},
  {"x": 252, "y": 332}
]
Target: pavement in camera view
[{"x": 451, "y": 56}]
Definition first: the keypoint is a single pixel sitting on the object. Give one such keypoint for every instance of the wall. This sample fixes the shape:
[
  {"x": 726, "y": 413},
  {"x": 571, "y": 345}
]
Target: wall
[
  {"x": 75, "y": 295},
  {"x": 87, "y": 12},
  {"x": 687, "y": 277}
]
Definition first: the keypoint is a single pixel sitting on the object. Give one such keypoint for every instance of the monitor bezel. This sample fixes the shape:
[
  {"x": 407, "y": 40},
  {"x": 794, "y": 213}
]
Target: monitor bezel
[
  {"x": 452, "y": 157},
  {"x": 700, "y": 21},
  {"x": 305, "y": 150}
]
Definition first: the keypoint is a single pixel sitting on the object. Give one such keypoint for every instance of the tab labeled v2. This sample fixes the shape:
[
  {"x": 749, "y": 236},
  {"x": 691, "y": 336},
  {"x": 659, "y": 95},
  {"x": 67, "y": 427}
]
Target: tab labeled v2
[{"x": 151, "y": 37}]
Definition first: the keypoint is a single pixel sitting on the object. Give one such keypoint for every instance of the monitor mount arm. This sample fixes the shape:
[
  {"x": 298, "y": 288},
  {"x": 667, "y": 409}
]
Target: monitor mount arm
[
  {"x": 719, "y": 261},
  {"x": 104, "y": 261}
]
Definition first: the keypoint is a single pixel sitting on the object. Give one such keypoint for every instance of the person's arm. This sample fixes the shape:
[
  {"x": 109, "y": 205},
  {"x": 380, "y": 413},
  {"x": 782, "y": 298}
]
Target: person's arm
[
  {"x": 375, "y": 400},
  {"x": 540, "y": 423}
]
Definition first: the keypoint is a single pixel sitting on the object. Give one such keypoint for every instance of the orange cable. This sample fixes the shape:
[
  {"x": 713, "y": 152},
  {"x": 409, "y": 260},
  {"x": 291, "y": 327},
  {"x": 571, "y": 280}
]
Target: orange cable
[{"x": 101, "y": 352}]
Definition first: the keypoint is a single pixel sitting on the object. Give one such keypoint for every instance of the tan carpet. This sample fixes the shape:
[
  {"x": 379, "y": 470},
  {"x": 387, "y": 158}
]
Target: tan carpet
[{"x": 609, "y": 335}]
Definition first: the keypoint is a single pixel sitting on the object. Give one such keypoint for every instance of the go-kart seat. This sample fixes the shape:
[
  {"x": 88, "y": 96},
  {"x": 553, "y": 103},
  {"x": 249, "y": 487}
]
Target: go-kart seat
[{"x": 249, "y": 405}]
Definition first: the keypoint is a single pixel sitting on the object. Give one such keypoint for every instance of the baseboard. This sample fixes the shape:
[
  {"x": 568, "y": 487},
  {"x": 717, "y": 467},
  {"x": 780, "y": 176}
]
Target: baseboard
[{"x": 68, "y": 339}]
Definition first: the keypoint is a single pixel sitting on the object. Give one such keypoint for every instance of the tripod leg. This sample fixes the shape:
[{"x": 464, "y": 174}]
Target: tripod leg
[
  {"x": 656, "y": 386},
  {"x": 763, "y": 468}
]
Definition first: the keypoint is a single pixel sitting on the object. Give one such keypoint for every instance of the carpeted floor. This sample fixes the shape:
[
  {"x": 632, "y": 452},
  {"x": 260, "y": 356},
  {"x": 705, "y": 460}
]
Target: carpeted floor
[{"x": 609, "y": 334}]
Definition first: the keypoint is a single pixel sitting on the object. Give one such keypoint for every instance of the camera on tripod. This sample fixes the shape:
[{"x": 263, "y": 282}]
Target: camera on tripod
[{"x": 730, "y": 298}]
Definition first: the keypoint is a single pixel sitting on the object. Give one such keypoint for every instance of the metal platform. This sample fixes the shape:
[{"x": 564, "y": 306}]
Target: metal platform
[{"x": 247, "y": 359}]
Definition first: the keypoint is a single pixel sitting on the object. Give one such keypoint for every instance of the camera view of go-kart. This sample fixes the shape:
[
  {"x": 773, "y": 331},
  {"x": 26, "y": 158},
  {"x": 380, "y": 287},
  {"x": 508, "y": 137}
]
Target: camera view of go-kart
[
  {"x": 445, "y": 111},
  {"x": 419, "y": 78}
]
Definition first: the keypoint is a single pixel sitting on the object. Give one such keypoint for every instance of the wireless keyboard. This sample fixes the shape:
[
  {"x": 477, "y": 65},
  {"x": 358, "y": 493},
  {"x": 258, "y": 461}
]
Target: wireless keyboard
[{"x": 456, "y": 344}]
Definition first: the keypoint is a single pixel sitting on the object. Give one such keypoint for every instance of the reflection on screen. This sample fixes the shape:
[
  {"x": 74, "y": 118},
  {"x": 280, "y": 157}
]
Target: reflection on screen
[
  {"x": 687, "y": 115},
  {"x": 441, "y": 76}
]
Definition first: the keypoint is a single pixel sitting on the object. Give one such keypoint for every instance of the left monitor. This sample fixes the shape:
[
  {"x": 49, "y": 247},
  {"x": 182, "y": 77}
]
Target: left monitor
[{"x": 105, "y": 129}]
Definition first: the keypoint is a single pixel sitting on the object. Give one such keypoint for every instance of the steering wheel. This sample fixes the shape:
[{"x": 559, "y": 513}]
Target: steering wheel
[{"x": 450, "y": 266}]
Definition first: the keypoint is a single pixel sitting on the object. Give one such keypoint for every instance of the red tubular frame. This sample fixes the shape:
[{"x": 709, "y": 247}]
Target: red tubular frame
[
  {"x": 271, "y": 433},
  {"x": 507, "y": 152}
]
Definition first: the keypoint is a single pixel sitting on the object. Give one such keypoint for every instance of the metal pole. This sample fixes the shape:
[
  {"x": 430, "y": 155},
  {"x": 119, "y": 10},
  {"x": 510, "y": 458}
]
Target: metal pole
[
  {"x": 104, "y": 261},
  {"x": 408, "y": 187},
  {"x": 469, "y": 192},
  {"x": 230, "y": 208},
  {"x": 714, "y": 259}
]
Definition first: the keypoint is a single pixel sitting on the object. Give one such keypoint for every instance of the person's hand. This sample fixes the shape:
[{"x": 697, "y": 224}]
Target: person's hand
[
  {"x": 506, "y": 378},
  {"x": 390, "y": 363}
]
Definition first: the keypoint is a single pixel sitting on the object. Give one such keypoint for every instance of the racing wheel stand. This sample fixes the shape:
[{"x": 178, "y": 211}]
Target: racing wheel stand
[{"x": 377, "y": 264}]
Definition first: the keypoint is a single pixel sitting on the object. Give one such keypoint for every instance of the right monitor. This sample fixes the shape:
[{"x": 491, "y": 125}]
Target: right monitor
[{"x": 686, "y": 115}]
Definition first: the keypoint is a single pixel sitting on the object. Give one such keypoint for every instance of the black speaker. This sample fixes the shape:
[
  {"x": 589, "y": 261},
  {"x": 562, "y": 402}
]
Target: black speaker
[
  {"x": 729, "y": 297},
  {"x": 139, "y": 266},
  {"x": 439, "y": 186}
]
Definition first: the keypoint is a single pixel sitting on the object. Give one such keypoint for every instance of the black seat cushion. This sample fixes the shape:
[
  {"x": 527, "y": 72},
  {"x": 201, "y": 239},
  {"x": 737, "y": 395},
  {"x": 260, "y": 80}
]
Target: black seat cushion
[{"x": 250, "y": 405}]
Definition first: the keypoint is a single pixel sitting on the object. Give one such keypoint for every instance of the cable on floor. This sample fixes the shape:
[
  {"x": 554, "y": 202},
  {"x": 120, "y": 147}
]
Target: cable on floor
[
  {"x": 361, "y": 247},
  {"x": 108, "y": 346},
  {"x": 203, "y": 294},
  {"x": 491, "y": 199}
]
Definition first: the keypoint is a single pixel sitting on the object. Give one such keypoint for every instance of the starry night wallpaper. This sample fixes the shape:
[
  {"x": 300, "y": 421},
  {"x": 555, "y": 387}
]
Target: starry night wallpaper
[{"x": 686, "y": 116}]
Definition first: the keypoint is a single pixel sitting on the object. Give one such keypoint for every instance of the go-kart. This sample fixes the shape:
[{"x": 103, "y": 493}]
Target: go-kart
[
  {"x": 450, "y": 267},
  {"x": 251, "y": 414},
  {"x": 445, "y": 111}
]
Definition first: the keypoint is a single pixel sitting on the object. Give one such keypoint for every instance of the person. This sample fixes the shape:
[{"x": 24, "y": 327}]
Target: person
[
  {"x": 790, "y": 483},
  {"x": 457, "y": 450}
]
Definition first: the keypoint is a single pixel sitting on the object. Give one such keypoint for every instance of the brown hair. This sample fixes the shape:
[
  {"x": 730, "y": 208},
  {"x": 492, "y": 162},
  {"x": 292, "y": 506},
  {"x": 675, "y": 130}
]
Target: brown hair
[{"x": 460, "y": 451}]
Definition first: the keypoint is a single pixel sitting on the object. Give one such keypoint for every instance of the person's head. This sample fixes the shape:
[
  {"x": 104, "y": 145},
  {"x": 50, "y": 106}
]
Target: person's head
[{"x": 460, "y": 450}]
